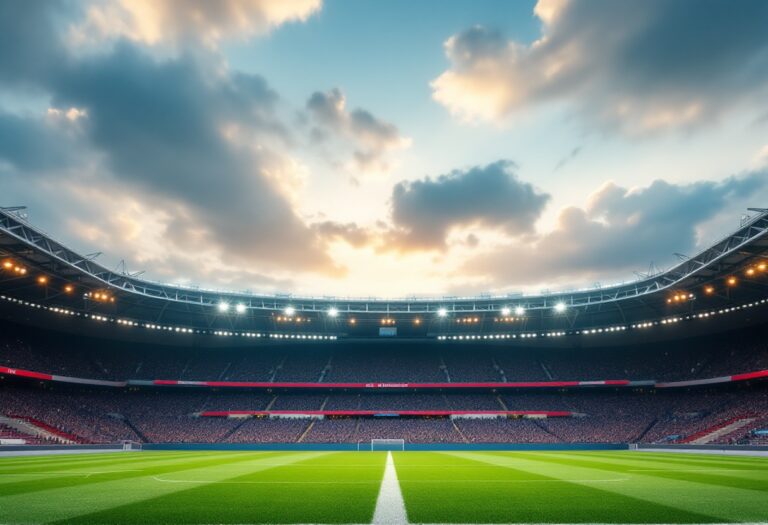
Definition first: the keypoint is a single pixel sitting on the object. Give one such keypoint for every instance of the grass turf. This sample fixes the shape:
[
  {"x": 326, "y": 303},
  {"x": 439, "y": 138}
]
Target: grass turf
[{"x": 342, "y": 487}]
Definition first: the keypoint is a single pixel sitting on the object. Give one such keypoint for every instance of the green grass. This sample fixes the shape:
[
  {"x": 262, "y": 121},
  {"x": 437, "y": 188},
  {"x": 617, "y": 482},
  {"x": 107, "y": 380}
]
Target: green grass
[{"x": 342, "y": 487}]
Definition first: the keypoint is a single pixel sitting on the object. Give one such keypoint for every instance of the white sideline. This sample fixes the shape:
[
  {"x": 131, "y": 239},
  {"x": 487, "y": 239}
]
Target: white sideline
[{"x": 390, "y": 507}]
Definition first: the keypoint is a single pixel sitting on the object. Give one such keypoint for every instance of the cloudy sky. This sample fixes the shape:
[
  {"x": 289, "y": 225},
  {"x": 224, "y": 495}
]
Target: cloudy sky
[{"x": 385, "y": 148}]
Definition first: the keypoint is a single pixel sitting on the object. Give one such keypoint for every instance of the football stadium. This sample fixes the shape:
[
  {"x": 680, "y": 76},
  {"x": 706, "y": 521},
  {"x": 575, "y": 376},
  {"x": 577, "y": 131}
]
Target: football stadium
[
  {"x": 383, "y": 262},
  {"x": 193, "y": 406}
]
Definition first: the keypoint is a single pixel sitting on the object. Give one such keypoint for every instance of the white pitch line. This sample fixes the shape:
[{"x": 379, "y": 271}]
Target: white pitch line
[
  {"x": 430, "y": 481},
  {"x": 425, "y": 481},
  {"x": 390, "y": 507},
  {"x": 162, "y": 480},
  {"x": 68, "y": 473}
]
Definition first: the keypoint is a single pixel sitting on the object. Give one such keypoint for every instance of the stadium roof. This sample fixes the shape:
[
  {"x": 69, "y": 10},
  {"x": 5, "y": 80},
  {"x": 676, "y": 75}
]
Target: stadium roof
[{"x": 717, "y": 277}]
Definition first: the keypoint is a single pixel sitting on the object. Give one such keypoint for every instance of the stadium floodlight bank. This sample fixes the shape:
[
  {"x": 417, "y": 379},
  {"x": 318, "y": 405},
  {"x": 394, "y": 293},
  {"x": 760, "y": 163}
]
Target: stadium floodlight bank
[
  {"x": 20, "y": 236},
  {"x": 387, "y": 444}
]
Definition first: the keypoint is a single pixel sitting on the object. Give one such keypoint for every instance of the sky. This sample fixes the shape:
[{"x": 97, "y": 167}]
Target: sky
[{"x": 385, "y": 148}]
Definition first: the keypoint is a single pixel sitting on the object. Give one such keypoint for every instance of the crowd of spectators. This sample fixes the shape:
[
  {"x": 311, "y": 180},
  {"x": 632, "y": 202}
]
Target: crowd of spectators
[
  {"x": 725, "y": 354},
  {"x": 7, "y": 432},
  {"x": 504, "y": 431},
  {"x": 266, "y": 430},
  {"x": 174, "y": 415},
  {"x": 89, "y": 417}
]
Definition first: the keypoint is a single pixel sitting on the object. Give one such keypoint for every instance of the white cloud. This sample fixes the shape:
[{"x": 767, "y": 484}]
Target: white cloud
[
  {"x": 620, "y": 230},
  {"x": 641, "y": 67},
  {"x": 154, "y": 22}
]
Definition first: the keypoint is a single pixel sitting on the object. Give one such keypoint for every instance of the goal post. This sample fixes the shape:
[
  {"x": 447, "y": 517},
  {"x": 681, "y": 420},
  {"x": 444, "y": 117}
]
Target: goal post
[
  {"x": 130, "y": 445},
  {"x": 387, "y": 444}
]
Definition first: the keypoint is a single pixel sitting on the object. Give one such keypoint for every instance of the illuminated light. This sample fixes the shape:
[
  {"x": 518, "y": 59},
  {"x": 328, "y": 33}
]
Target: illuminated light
[
  {"x": 7, "y": 265},
  {"x": 240, "y": 308},
  {"x": 223, "y": 306},
  {"x": 709, "y": 290},
  {"x": 289, "y": 311},
  {"x": 519, "y": 310},
  {"x": 750, "y": 271},
  {"x": 353, "y": 321},
  {"x": 762, "y": 267},
  {"x": 506, "y": 311},
  {"x": 731, "y": 281},
  {"x": 42, "y": 279},
  {"x": 442, "y": 312},
  {"x": 68, "y": 288},
  {"x": 23, "y": 271},
  {"x": 417, "y": 321},
  {"x": 111, "y": 299},
  {"x": 560, "y": 307},
  {"x": 333, "y": 312}
]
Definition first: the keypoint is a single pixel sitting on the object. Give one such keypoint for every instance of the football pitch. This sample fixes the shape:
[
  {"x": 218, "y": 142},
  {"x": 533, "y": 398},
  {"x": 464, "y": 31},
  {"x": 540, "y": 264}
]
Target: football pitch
[{"x": 361, "y": 487}]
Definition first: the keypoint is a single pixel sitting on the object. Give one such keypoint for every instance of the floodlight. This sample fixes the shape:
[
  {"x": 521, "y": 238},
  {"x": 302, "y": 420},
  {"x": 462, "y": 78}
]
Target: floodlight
[
  {"x": 519, "y": 310},
  {"x": 560, "y": 307},
  {"x": 240, "y": 308},
  {"x": 505, "y": 311},
  {"x": 333, "y": 311},
  {"x": 442, "y": 312},
  {"x": 289, "y": 310},
  {"x": 223, "y": 306}
]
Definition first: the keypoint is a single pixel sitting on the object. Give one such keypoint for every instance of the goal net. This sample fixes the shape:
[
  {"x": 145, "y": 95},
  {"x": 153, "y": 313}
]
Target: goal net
[
  {"x": 387, "y": 444},
  {"x": 131, "y": 445}
]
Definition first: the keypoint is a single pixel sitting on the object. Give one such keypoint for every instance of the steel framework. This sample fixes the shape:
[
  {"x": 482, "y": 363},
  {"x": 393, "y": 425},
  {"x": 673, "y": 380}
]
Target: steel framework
[{"x": 748, "y": 241}]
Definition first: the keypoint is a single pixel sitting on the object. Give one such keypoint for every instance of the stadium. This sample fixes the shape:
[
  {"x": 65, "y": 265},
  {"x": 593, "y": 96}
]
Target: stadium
[
  {"x": 98, "y": 360},
  {"x": 383, "y": 262}
]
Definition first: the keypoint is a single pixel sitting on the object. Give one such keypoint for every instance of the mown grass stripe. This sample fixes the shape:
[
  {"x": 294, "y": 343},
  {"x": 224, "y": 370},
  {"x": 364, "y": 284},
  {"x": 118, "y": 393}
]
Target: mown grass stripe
[
  {"x": 152, "y": 468},
  {"x": 691, "y": 475},
  {"x": 262, "y": 503},
  {"x": 722, "y": 502},
  {"x": 65, "y": 502},
  {"x": 489, "y": 497},
  {"x": 639, "y": 462},
  {"x": 131, "y": 458},
  {"x": 676, "y": 456}
]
